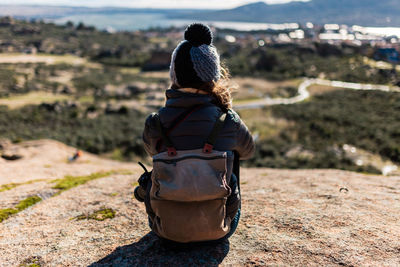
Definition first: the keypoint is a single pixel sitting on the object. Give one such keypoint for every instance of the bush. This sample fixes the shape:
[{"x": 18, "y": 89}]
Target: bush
[{"x": 102, "y": 134}]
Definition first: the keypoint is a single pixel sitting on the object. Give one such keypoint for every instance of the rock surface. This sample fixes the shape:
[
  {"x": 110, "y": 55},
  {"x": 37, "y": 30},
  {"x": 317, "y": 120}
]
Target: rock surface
[{"x": 290, "y": 217}]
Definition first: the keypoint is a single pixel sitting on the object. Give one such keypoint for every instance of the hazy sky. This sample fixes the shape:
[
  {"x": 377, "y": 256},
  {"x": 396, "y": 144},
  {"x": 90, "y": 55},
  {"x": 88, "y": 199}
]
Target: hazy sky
[{"x": 144, "y": 3}]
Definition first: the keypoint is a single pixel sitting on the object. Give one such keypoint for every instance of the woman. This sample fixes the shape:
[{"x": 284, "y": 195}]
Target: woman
[{"x": 198, "y": 95}]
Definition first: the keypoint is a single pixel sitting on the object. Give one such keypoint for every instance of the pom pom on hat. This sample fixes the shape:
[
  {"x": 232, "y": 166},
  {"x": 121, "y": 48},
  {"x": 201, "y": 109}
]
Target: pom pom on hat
[{"x": 198, "y": 34}]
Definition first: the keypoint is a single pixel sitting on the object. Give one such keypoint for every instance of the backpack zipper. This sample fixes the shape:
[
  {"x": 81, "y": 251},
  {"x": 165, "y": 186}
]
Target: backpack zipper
[{"x": 174, "y": 161}]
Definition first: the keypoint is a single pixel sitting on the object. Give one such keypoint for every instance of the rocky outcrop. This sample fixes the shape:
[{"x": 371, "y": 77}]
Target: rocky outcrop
[{"x": 290, "y": 217}]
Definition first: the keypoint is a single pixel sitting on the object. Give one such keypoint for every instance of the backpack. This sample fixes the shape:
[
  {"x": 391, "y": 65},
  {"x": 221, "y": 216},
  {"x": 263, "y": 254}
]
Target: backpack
[{"x": 186, "y": 199}]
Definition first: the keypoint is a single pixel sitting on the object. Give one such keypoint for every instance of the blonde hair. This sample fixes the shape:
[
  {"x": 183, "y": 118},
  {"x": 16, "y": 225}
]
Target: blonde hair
[{"x": 221, "y": 89}]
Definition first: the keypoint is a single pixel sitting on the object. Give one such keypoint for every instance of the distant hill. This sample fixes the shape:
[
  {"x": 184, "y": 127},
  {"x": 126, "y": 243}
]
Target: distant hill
[
  {"x": 361, "y": 12},
  {"x": 365, "y": 12},
  {"x": 42, "y": 11},
  {"x": 33, "y": 11}
]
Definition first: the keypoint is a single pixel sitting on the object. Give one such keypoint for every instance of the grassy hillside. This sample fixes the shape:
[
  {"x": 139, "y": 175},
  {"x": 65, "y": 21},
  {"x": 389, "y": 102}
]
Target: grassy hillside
[
  {"x": 97, "y": 98},
  {"x": 311, "y": 134},
  {"x": 107, "y": 132}
]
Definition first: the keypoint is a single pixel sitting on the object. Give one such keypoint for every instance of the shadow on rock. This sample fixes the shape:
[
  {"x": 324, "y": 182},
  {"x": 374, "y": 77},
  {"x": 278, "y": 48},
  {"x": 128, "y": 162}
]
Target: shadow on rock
[{"x": 151, "y": 251}]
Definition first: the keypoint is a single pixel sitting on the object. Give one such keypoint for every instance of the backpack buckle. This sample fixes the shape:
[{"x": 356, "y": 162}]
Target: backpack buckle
[
  {"x": 171, "y": 151},
  {"x": 207, "y": 148}
]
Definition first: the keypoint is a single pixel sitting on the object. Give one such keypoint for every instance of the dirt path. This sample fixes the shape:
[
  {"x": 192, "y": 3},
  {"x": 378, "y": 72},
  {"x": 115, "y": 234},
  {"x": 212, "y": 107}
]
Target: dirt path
[
  {"x": 303, "y": 93},
  {"x": 32, "y": 98},
  {"x": 302, "y": 217},
  {"x": 49, "y": 59},
  {"x": 41, "y": 58}
]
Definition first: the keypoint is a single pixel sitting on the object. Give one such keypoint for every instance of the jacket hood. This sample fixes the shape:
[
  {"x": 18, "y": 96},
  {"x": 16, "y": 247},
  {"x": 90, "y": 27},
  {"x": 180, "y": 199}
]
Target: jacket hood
[{"x": 177, "y": 99}]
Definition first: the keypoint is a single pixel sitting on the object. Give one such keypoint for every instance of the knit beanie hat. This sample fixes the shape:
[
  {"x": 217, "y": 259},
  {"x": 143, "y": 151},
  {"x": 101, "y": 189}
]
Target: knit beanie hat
[{"x": 195, "y": 60}]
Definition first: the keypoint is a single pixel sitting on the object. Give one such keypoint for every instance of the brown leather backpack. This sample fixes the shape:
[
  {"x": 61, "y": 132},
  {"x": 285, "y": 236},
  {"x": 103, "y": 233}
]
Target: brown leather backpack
[{"x": 187, "y": 198}]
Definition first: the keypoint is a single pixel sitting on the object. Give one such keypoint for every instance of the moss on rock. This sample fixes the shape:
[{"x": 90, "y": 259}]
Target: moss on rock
[
  {"x": 98, "y": 215},
  {"x": 10, "y": 186},
  {"x": 70, "y": 181},
  {"x": 5, "y": 213},
  {"x": 35, "y": 261},
  {"x": 30, "y": 201},
  {"x": 5, "y": 187},
  {"x": 23, "y": 204}
]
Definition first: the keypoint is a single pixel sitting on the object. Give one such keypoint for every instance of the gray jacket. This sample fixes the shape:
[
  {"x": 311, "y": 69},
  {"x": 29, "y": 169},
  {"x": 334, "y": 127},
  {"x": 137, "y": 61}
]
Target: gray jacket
[{"x": 194, "y": 130}]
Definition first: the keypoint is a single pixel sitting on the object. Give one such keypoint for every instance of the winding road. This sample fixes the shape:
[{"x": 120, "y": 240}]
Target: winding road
[{"x": 303, "y": 93}]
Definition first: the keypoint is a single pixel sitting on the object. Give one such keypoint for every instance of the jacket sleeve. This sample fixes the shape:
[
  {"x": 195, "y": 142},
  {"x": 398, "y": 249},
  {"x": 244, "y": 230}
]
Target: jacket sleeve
[
  {"x": 150, "y": 136},
  {"x": 245, "y": 145}
]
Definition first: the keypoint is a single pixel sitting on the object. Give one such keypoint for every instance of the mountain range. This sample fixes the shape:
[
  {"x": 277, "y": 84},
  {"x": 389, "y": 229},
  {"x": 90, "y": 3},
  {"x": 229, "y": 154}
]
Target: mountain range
[
  {"x": 361, "y": 12},
  {"x": 49, "y": 12}
]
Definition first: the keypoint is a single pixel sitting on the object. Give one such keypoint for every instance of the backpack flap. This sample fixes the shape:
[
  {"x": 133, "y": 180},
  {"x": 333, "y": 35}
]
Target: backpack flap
[{"x": 190, "y": 176}]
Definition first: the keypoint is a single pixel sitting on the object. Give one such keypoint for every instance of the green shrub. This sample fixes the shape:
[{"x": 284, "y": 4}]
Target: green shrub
[{"x": 102, "y": 134}]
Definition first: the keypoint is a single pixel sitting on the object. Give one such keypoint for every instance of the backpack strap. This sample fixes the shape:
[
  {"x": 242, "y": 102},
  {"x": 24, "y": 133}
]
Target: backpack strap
[
  {"x": 209, "y": 145},
  {"x": 236, "y": 167},
  {"x": 165, "y": 132},
  {"x": 182, "y": 117},
  {"x": 168, "y": 143}
]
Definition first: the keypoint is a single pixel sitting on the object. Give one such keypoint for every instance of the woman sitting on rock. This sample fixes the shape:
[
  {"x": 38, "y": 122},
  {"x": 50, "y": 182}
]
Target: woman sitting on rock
[{"x": 196, "y": 141}]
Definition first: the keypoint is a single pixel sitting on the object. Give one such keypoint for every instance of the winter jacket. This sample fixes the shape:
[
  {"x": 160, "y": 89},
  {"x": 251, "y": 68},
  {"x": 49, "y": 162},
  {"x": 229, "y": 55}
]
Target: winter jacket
[{"x": 192, "y": 132}]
